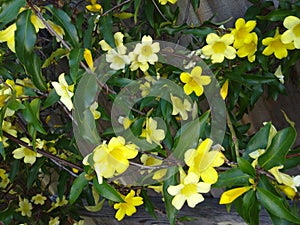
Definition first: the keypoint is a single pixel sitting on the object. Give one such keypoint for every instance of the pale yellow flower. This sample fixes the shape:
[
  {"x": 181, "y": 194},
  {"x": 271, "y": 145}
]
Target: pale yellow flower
[
  {"x": 188, "y": 190},
  {"x": 121, "y": 48},
  {"x": 117, "y": 60},
  {"x": 125, "y": 121},
  {"x": 151, "y": 133},
  {"x": 37, "y": 23},
  {"x": 148, "y": 160},
  {"x": 249, "y": 49},
  {"x": 180, "y": 107},
  {"x": 276, "y": 46},
  {"x": 146, "y": 51},
  {"x": 145, "y": 88},
  {"x": 4, "y": 178},
  {"x": 94, "y": 111},
  {"x": 38, "y": 199},
  {"x": 135, "y": 64},
  {"x": 194, "y": 81},
  {"x": 219, "y": 48},
  {"x": 242, "y": 33},
  {"x": 278, "y": 73},
  {"x": 54, "y": 221},
  {"x": 292, "y": 23},
  {"x": 58, "y": 29},
  {"x": 8, "y": 35},
  {"x": 163, "y": 2},
  {"x": 286, "y": 179},
  {"x": 64, "y": 90},
  {"x": 25, "y": 207},
  {"x": 128, "y": 207},
  {"x": 201, "y": 161},
  {"x": 80, "y": 222}
]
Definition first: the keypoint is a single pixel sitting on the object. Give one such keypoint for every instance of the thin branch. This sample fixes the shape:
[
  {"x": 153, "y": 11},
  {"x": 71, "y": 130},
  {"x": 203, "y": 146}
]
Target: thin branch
[
  {"x": 160, "y": 12},
  {"x": 115, "y": 7}
]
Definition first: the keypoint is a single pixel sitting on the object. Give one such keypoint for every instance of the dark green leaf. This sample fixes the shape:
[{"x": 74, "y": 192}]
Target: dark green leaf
[
  {"x": 63, "y": 180},
  {"x": 105, "y": 25},
  {"x": 232, "y": 177},
  {"x": 137, "y": 4},
  {"x": 57, "y": 54},
  {"x": 15, "y": 105},
  {"x": 278, "y": 221},
  {"x": 246, "y": 167},
  {"x": 33, "y": 172},
  {"x": 9, "y": 11},
  {"x": 79, "y": 183},
  {"x": 75, "y": 58},
  {"x": 276, "y": 153},
  {"x": 276, "y": 15},
  {"x": 51, "y": 99},
  {"x": 275, "y": 205},
  {"x": 251, "y": 208},
  {"x": 149, "y": 207},
  {"x": 107, "y": 191},
  {"x": 149, "y": 11}
]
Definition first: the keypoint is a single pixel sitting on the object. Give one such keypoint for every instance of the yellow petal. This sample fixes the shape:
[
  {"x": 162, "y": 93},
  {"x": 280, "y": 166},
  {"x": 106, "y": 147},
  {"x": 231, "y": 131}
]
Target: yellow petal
[
  {"x": 89, "y": 59},
  {"x": 224, "y": 90},
  {"x": 230, "y": 195}
]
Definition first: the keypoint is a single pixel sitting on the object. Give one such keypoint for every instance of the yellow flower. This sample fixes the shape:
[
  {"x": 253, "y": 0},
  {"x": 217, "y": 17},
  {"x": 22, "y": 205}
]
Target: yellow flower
[
  {"x": 58, "y": 203},
  {"x": 80, "y": 222},
  {"x": 8, "y": 128},
  {"x": 118, "y": 61},
  {"x": 8, "y": 36},
  {"x": 188, "y": 190},
  {"x": 224, "y": 89},
  {"x": 64, "y": 90},
  {"x": 163, "y": 2},
  {"x": 180, "y": 107},
  {"x": 151, "y": 133},
  {"x": 290, "y": 192},
  {"x": 25, "y": 207},
  {"x": 89, "y": 59},
  {"x": 4, "y": 178},
  {"x": 135, "y": 64},
  {"x": 94, "y": 111},
  {"x": 242, "y": 33},
  {"x": 285, "y": 179},
  {"x": 94, "y": 7},
  {"x": 128, "y": 207},
  {"x": 121, "y": 49},
  {"x": 23, "y": 152},
  {"x": 38, "y": 199},
  {"x": 219, "y": 48},
  {"x": 276, "y": 46},
  {"x": 148, "y": 160},
  {"x": 58, "y": 29},
  {"x": 292, "y": 23},
  {"x": 18, "y": 89},
  {"x": 249, "y": 49},
  {"x": 54, "y": 221},
  {"x": 230, "y": 195},
  {"x": 125, "y": 121},
  {"x": 146, "y": 51},
  {"x": 37, "y": 23},
  {"x": 278, "y": 73},
  {"x": 202, "y": 161},
  {"x": 112, "y": 158},
  {"x": 254, "y": 155},
  {"x": 194, "y": 81}
]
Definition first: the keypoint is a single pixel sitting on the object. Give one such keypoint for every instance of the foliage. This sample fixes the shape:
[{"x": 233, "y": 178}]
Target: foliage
[{"x": 97, "y": 104}]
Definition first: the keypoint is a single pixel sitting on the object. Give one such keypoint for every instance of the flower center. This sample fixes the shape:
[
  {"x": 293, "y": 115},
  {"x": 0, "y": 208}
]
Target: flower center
[
  {"x": 296, "y": 30},
  {"x": 189, "y": 189},
  {"x": 118, "y": 60},
  {"x": 146, "y": 50},
  {"x": 219, "y": 47}
]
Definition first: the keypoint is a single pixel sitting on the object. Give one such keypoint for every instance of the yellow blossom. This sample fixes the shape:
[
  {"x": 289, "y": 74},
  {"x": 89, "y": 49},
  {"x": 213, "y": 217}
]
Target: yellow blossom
[
  {"x": 18, "y": 89},
  {"x": 94, "y": 111},
  {"x": 249, "y": 49},
  {"x": 38, "y": 199},
  {"x": 290, "y": 192},
  {"x": 180, "y": 107},
  {"x": 135, "y": 64},
  {"x": 3, "y": 178},
  {"x": 151, "y": 133},
  {"x": 25, "y": 207},
  {"x": 276, "y": 46},
  {"x": 26, "y": 153},
  {"x": 292, "y": 23},
  {"x": 125, "y": 121},
  {"x": 278, "y": 73},
  {"x": 89, "y": 59},
  {"x": 145, "y": 88},
  {"x": 36, "y": 22},
  {"x": 128, "y": 207},
  {"x": 118, "y": 37},
  {"x": 219, "y": 48},
  {"x": 194, "y": 81},
  {"x": 80, "y": 222},
  {"x": 117, "y": 60},
  {"x": 8, "y": 36},
  {"x": 58, "y": 203},
  {"x": 8, "y": 128},
  {"x": 242, "y": 33},
  {"x": 163, "y": 2},
  {"x": 58, "y": 29},
  {"x": 148, "y": 160},
  {"x": 112, "y": 158},
  {"x": 254, "y": 155},
  {"x": 54, "y": 221},
  {"x": 146, "y": 51},
  {"x": 64, "y": 90},
  {"x": 202, "y": 161},
  {"x": 232, "y": 194},
  {"x": 94, "y": 7},
  {"x": 285, "y": 179},
  {"x": 188, "y": 190},
  {"x": 224, "y": 89}
]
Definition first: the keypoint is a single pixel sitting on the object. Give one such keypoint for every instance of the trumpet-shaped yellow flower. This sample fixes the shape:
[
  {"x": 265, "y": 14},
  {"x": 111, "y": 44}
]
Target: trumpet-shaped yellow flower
[
  {"x": 36, "y": 22},
  {"x": 276, "y": 46},
  {"x": 89, "y": 59},
  {"x": 8, "y": 36},
  {"x": 54, "y": 221},
  {"x": 285, "y": 179},
  {"x": 3, "y": 178},
  {"x": 278, "y": 73},
  {"x": 232, "y": 194},
  {"x": 121, "y": 48},
  {"x": 18, "y": 89},
  {"x": 25, "y": 207},
  {"x": 94, "y": 111},
  {"x": 125, "y": 121},
  {"x": 146, "y": 51},
  {"x": 249, "y": 49},
  {"x": 218, "y": 48},
  {"x": 128, "y": 207},
  {"x": 292, "y": 23},
  {"x": 38, "y": 199},
  {"x": 117, "y": 60},
  {"x": 8, "y": 128},
  {"x": 135, "y": 64},
  {"x": 151, "y": 133},
  {"x": 163, "y": 2},
  {"x": 94, "y": 7},
  {"x": 242, "y": 33},
  {"x": 224, "y": 89},
  {"x": 180, "y": 107},
  {"x": 80, "y": 222},
  {"x": 64, "y": 90},
  {"x": 23, "y": 152},
  {"x": 188, "y": 190},
  {"x": 288, "y": 191},
  {"x": 202, "y": 161},
  {"x": 58, "y": 29},
  {"x": 194, "y": 81},
  {"x": 112, "y": 158}
]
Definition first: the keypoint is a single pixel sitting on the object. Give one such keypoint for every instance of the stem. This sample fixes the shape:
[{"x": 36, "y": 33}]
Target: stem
[
  {"x": 113, "y": 8},
  {"x": 233, "y": 134}
]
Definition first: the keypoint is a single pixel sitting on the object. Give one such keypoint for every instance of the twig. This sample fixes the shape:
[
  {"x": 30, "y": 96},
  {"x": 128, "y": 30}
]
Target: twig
[
  {"x": 233, "y": 134},
  {"x": 113, "y": 8},
  {"x": 160, "y": 12}
]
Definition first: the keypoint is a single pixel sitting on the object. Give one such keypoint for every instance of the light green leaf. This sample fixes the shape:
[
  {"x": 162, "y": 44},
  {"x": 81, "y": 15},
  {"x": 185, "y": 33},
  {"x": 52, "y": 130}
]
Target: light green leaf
[
  {"x": 95, "y": 208},
  {"x": 107, "y": 191},
  {"x": 77, "y": 187}
]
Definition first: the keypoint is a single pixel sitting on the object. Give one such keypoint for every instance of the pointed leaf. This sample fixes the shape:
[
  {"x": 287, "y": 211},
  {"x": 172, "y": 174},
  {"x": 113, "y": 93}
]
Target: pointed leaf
[
  {"x": 251, "y": 208},
  {"x": 9, "y": 11},
  {"x": 75, "y": 58},
  {"x": 95, "y": 208},
  {"x": 246, "y": 167},
  {"x": 107, "y": 191},
  {"x": 232, "y": 177},
  {"x": 79, "y": 183}
]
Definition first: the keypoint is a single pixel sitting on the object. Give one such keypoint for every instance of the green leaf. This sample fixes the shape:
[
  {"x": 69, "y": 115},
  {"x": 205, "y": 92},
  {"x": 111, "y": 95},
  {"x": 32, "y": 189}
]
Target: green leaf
[
  {"x": 95, "y": 208},
  {"x": 57, "y": 54},
  {"x": 246, "y": 167},
  {"x": 75, "y": 58},
  {"x": 33, "y": 172},
  {"x": 137, "y": 4},
  {"x": 63, "y": 179},
  {"x": 275, "y": 205},
  {"x": 251, "y": 208},
  {"x": 62, "y": 19},
  {"x": 281, "y": 143},
  {"x": 232, "y": 177},
  {"x": 79, "y": 183},
  {"x": 276, "y": 15},
  {"x": 9, "y": 11},
  {"x": 52, "y": 98},
  {"x": 106, "y": 24},
  {"x": 170, "y": 209},
  {"x": 149, "y": 207},
  {"x": 107, "y": 191},
  {"x": 149, "y": 11}
]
